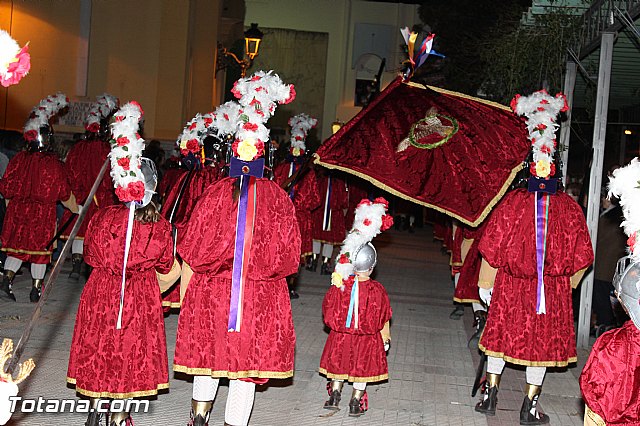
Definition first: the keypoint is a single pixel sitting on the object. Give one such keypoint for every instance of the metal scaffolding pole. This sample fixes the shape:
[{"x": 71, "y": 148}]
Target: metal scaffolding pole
[
  {"x": 595, "y": 179},
  {"x": 565, "y": 127}
]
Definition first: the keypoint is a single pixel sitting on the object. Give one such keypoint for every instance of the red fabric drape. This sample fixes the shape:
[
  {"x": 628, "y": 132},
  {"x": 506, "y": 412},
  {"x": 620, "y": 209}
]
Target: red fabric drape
[{"x": 464, "y": 177}]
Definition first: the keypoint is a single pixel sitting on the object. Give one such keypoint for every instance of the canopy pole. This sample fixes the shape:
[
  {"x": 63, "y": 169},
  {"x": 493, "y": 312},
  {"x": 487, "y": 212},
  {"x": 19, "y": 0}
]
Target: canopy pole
[
  {"x": 595, "y": 180},
  {"x": 565, "y": 127}
]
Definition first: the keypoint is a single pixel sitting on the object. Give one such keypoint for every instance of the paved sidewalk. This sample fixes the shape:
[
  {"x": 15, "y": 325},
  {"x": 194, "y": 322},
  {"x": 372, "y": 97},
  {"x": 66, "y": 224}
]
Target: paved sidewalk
[{"x": 431, "y": 369}]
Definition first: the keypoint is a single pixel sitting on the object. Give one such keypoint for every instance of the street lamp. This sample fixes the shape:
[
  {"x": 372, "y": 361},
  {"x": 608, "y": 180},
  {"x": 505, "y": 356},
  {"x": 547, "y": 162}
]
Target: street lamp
[{"x": 252, "y": 38}]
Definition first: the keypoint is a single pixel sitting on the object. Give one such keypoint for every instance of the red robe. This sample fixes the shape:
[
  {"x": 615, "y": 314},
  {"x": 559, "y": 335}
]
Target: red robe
[
  {"x": 338, "y": 203},
  {"x": 264, "y": 346},
  {"x": 514, "y": 331},
  {"x": 355, "y": 355},
  {"x": 610, "y": 380},
  {"x": 131, "y": 362},
  {"x": 168, "y": 181},
  {"x": 200, "y": 181},
  {"x": 305, "y": 198},
  {"x": 33, "y": 183},
  {"x": 82, "y": 165},
  {"x": 467, "y": 287}
]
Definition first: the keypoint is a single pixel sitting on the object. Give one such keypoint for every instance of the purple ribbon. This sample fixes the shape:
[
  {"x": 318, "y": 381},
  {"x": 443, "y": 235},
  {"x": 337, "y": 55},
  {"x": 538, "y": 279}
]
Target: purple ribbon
[
  {"x": 541, "y": 211},
  {"x": 292, "y": 170},
  {"x": 238, "y": 255}
]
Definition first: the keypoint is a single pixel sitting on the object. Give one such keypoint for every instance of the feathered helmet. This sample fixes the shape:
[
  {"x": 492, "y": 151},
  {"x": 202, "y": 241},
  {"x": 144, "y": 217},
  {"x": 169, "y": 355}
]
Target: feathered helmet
[
  {"x": 37, "y": 129},
  {"x": 357, "y": 253},
  {"x": 190, "y": 142},
  {"x": 97, "y": 119},
  {"x": 15, "y": 61},
  {"x": 625, "y": 184},
  {"x": 541, "y": 110},
  {"x": 258, "y": 97},
  {"x": 134, "y": 177},
  {"x": 300, "y": 125}
]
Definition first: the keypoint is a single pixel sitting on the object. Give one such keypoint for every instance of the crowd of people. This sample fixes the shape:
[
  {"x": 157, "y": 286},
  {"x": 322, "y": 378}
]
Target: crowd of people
[{"x": 222, "y": 231}]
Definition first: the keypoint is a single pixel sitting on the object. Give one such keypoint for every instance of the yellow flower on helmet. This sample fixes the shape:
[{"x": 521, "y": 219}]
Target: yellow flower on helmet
[
  {"x": 543, "y": 168},
  {"x": 296, "y": 151},
  {"x": 247, "y": 149},
  {"x": 336, "y": 279},
  {"x": 183, "y": 143}
]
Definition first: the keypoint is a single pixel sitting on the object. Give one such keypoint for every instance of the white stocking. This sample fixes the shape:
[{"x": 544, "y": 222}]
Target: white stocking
[
  {"x": 495, "y": 365},
  {"x": 12, "y": 264},
  {"x": 327, "y": 250},
  {"x": 204, "y": 388},
  {"x": 317, "y": 246},
  {"x": 360, "y": 385},
  {"x": 478, "y": 307},
  {"x": 239, "y": 402},
  {"x": 77, "y": 247},
  {"x": 38, "y": 270},
  {"x": 535, "y": 375}
]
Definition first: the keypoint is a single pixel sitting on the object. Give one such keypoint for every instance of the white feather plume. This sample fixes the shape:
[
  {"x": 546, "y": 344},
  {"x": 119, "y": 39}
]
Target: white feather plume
[
  {"x": 126, "y": 143},
  {"x": 105, "y": 104},
  {"x": 301, "y": 124},
  {"x": 625, "y": 184},
  {"x": 43, "y": 112}
]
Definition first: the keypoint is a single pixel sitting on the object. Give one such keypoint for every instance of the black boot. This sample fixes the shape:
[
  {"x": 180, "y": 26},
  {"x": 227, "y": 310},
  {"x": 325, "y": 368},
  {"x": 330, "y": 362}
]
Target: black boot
[
  {"x": 313, "y": 265},
  {"x": 478, "y": 323},
  {"x": 36, "y": 290},
  {"x": 529, "y": 414},
  {"x": 7, "y": 286},
  {"x": 200, "y": 411},
  {"x": 76, "y": 264},
  {"x": 490, "y": 396},
  {"x": 94, "y": 419},
  {"x": 121, "y": 418},
  {"x": 334, "y": 388},
  {"x": 325, "y": 269},
  {"x": 359, "y": 403}
]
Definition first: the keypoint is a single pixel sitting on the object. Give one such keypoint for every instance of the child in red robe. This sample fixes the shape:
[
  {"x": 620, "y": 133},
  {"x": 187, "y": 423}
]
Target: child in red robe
[
  {"x": 118, "y": 350},
  {"x": 357, "y": 311}
]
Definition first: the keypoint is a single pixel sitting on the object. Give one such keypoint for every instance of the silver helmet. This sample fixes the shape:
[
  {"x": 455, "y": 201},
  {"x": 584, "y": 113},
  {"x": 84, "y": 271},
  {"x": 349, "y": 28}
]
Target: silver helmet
[
  {"x": 148, "y": 169},
  {"x": 365, "y": 258},
  {"x": 626, "y": 281}
]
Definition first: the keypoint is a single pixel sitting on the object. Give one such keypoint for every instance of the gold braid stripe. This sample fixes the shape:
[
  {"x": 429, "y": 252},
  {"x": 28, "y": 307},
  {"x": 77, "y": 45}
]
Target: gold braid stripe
[
  {"x": 525, "y": 362},
  {"x": 166, "y": 304},
  {"x": 12, "y": 250},
  {"x": 596, "y": 420},
  {"x": 390, "y": 190},
  {"x": 355, "y": 379},
  {"x": 135, "y": 394},
  {"x": 455, "y": 299},
  {"x": 460, "y": 95},
  {"x": 233, "y": 374}
]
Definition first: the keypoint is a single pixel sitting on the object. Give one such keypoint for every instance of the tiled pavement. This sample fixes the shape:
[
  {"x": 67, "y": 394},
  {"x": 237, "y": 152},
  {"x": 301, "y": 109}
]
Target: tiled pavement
[{"x": 431, "y": 369}]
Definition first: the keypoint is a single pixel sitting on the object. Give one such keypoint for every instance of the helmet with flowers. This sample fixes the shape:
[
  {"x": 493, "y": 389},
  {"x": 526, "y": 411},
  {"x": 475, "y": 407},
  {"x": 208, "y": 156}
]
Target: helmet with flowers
[
  {"x": 258, "y": 97},
  {"x": 96, "y": 123},
  {"x": 624, "y": 183},
  {"x": 15, "y": 62},
  {"x": 190, "y": 143},
  {"x": 357, "y": 254},
  {"x": 134, "y": 178},
  {"x": 37, "y": 130},
  {"x": 300, "y": 125},
  {"x": 9, "y": 384},
  {"x": 541, "y": 110}
]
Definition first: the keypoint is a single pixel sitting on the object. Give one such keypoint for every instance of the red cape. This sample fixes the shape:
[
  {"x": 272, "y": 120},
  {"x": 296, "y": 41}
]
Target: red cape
[{"x": 463, "y": 173}]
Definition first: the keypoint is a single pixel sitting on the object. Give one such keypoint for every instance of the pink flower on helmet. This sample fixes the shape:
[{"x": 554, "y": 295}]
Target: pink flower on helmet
[
  {"x": 387, "y": 222},
  {"x": 123, "y": 140},
  {"x": 124, "y": 163},
  {"x": 292, "y": 95}
]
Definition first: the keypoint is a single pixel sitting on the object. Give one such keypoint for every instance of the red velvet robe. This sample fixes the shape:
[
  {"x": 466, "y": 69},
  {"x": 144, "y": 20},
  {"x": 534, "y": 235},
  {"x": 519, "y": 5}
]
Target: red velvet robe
[
  {"x": 33, "y": 183},
  {"x": 514, "y": 331},
  {"x": 467, "y": 287},
  {"x": 355, "y": 355},
  {"x": 82, "y": 165},
  {"x": 264, "y": 346},
  {"x": 200, "y": 181},
  {"x": 338, "y": 203},
  {"x": 131, "y": 362},
  {"x": 610, "y": 380},
  {"x": 305, "y": 199},
  {"x": 357, "y": 190},
  {"x": 168, "y": 181}
]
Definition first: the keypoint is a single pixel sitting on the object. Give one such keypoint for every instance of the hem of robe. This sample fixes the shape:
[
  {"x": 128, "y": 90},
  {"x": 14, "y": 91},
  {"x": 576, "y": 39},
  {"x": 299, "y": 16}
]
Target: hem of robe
[
  {"x": 115, "y": 395},
  {"x": 354, "y": 379},
  {"x": 22, "y": 251},
  {"x": 528, "y": 363},
  {"x": 246, "y": 374},
  {"x": 455, "y": 299}
]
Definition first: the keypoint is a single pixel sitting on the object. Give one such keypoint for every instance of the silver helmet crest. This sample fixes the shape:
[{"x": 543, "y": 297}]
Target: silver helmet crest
[
  {"x": 365, "y": 258},
  {"x": 626, "y": 282}
]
